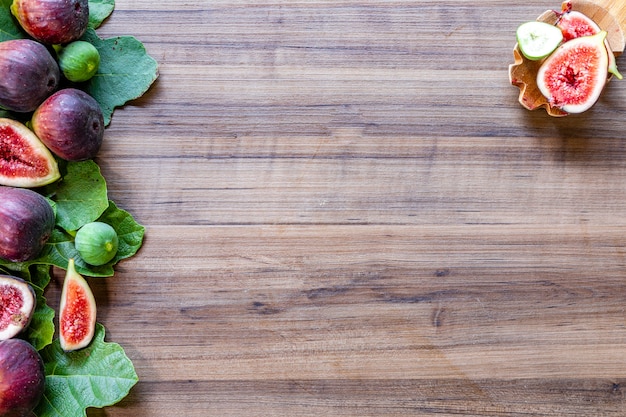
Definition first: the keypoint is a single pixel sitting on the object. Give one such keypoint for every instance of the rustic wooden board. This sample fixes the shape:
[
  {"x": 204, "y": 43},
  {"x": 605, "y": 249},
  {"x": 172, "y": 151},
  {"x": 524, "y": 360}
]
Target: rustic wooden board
[{"x": 349, "y": 214}]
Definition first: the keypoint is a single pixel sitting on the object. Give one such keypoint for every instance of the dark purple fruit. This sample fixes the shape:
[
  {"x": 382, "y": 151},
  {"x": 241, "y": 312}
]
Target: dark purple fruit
[
  {"x": 22, "y": 378},
  {"x": 28, "y": 74},
  {"x": 53, "y": 22},
  {"x": 17, "y": 305},
  {"x": 70, "y": 123},
  {"x": 26, "y": 222}
]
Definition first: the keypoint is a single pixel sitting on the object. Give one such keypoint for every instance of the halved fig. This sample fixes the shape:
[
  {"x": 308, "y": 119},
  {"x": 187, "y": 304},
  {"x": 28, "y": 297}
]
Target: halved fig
[
  {"x": 26, "y": 223},
  {"x": 17, "y": 305},
  {"x": 574, "y": 24},
  {"x": 29, "y": 74},
  {"x": 573, "y": 77},
  {"x": 24, "y": 160},
  {"x": 77, "y": 311}
]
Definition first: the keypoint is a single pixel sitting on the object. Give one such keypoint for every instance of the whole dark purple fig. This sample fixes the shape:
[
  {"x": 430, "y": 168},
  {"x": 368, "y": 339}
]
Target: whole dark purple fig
[
  {"x": 22, "y": 378},
  {"x": 70, "y": 123},
  {"x": 26, "y": 223},
  {"x": 53, "y": 22},
  {"x": 29, "y": 74}
]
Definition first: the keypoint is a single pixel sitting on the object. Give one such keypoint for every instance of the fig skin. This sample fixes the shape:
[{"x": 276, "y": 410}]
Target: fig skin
[
  {"x": 26, "y": 223},
  {"x": 79, "y": 61},
  {"x": 22, "y": 378},
  {"x": 52, "y": 22},
  {"x": 17, "y": 306},
  {"x": 29, "y": 75},
  {"x": 97, "y": 243},
  {"x": 71, "y": 124}
]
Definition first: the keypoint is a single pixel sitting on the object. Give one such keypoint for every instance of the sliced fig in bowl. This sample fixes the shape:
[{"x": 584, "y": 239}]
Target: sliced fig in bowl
[
  {"x": 52, "y": 22},
  {"x": 77, "y": 311},
  {"x": 17, "y": 305},
  {"x": 573, "y": 77},
  {"x": 24, "y": 160},
  {"x": 22, "y": 378},
  {"x": 28, "y": 74},
  {"x": 71, "y": 124},
  {"x": 26, "y": 223}
]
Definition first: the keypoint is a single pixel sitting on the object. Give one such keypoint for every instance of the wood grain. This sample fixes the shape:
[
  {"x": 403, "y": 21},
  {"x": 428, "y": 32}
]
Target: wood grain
[{"x": 349, "y": 214}]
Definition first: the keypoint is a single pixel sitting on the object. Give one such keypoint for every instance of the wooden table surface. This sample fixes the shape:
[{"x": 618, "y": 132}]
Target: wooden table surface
[{"x": 348, "y": 213}]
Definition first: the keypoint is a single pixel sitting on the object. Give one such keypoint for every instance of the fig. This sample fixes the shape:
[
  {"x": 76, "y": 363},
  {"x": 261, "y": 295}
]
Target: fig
[
  {"x": 22, "y": 378},
  {"x": 573, "y": 76},
  {"x": 77, "y": 311},
  {"x": 79, "y": 61},
  {"x": 537, "y": 40},
  {"x": 574, "y": 24},
  {"x": 96, "y": 242},
  {"x": 70, "y": 123},
  {"x": 17, "y": 305},
  {"x": 52, "y": 22},
  {"x": 29, "y": 75},
  {"x": 24, "y": 160},
  {"x": 26, "y": 223}
]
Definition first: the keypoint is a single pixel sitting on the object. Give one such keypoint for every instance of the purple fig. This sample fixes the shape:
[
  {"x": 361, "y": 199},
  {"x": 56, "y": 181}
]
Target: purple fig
[
  {"x": 22, "y": 378},
  {"x": 52, "y": 22},
  {"x": 70, "y": 123},
  {"x": 26, "y": 223},
  {"x": 29, "y": 74}
]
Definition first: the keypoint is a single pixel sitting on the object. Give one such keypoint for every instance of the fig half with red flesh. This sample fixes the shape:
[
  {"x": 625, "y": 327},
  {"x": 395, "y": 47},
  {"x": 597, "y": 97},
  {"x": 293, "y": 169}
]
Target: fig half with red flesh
[
  {"x": 24, "y": 160},
  {"x": 573, "y": 77},
  {"x": 17, "y": 305},
  {"x": 77, "y": 311}
]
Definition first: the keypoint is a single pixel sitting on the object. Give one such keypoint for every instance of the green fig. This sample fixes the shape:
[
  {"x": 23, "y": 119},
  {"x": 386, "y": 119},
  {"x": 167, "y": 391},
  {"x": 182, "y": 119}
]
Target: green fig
[
  {"x": 79, "y": 61},
  {"x": 97, "y": 243}
]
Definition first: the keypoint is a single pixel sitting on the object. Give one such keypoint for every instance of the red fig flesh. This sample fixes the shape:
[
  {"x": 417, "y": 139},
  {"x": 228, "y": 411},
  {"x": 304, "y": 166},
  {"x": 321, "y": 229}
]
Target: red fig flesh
[
  {"x": 17, "y": 304},
  {"x": 77, "y": 311},
  {"x": 573, "y": 77},
  {"x": 22, "y": 378},
  {"x": 24, "y": 160}
]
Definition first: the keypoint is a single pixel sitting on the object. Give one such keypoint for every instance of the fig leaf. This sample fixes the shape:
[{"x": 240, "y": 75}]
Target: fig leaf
[
  {"x": 99, "y": 10},
  {"x": 97, "y": 376},
  {"x": 126, "y": 71},
  {"x": 9, "y": 28},
  {"x": 81, "y": 196},
  {"x": 41, "y": 329}
]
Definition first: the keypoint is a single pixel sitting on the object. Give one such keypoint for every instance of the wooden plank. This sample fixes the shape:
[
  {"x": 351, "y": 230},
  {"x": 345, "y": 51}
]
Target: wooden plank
[{"x": 349, "y": 214}]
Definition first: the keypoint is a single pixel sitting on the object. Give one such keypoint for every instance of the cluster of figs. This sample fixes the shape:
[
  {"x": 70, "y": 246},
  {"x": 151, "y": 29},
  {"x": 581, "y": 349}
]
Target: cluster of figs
[
  {"x": 39, "y": 84},
  {"x": 576, "y": 59}
]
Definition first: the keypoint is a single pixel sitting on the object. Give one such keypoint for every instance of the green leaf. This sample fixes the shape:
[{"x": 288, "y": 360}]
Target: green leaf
[
  {"x": 99, "y": 10},
  {"x": 129, "y": 232},
  {"x": 81, "y": 197},
  {"x": 126, "y": 72},
  {"x": 9, "y": 28},
  {"x": 41, "y": 329},
  {"x": 97, "y": 376}
]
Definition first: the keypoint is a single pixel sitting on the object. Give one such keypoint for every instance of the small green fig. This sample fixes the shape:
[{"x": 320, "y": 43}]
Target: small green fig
[
  {"x": 79, "y": 61},
  {"x": 96, "y": 242}
]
